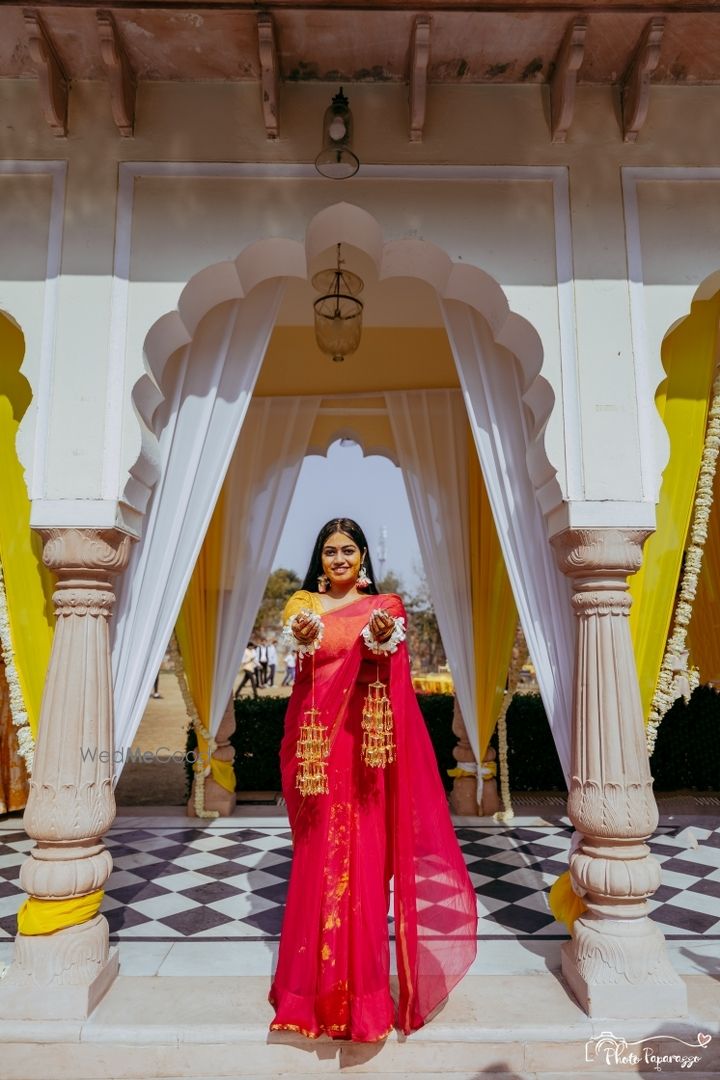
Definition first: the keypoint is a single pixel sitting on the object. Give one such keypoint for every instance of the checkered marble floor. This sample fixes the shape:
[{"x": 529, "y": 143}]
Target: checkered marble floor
[{"x": 228, "y": 882}]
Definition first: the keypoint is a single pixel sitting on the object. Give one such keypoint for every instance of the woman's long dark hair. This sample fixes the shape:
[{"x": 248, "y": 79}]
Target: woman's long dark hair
[{"x": 349, "y": 528}]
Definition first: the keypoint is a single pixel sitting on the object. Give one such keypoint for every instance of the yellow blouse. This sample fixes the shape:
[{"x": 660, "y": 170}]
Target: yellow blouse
[{"x": 302, "y": 600}]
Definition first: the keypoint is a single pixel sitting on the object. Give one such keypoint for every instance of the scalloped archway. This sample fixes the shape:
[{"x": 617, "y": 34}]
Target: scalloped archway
[{"x": 215, "y": 340}]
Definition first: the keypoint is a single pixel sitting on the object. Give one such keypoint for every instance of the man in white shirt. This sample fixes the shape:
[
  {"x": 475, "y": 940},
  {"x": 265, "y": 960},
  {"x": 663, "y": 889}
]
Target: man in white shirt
[{"x": 271, "y": 662}]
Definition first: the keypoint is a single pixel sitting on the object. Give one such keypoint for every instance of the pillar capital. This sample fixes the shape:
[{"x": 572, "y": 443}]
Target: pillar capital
[
  {"x": 85, "y": 553},
  {"x": 599, "y": 554}
]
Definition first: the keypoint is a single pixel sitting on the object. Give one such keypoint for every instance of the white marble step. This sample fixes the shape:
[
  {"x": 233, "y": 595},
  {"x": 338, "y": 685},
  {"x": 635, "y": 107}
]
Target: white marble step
[{"x": 217, "y": 1027}]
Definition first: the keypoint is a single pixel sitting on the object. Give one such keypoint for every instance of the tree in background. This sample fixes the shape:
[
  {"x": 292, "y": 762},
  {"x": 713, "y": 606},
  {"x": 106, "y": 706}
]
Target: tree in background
[
  {"x": 423, "y": 636},
  {"x": 280, "y": 586}
]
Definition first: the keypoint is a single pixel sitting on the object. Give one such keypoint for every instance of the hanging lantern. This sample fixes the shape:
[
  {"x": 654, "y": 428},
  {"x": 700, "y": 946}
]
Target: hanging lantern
[
  {"x": 336, "y": 160},
  {"x": 338, "y": 312}
]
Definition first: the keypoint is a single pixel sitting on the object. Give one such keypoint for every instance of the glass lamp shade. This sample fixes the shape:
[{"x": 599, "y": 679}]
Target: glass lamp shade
[
  {"x": 338, "y": 324},
  {"x": 336, "y": 160}
]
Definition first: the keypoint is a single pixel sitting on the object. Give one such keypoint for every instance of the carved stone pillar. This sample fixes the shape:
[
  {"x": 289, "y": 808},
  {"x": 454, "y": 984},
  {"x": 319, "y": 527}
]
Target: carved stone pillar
[
  {"x": 463, "y": 797},
  {"x": 71, "y": 802},
  {"x": 216, "y": 797},
  {"x": 616, "y": 963}
]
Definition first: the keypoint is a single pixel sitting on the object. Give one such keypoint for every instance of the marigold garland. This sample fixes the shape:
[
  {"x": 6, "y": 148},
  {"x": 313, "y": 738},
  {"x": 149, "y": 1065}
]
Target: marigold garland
[
  {"x": 518, "y": 660},
  {"x": 201, "y": 766},
  {"x": 18, "y": 711},
  {"x": 675, "y": 679}
]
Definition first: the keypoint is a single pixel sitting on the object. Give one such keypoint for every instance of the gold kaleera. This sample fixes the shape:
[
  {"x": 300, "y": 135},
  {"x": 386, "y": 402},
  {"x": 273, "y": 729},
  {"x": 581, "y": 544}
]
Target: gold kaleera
[
  {"x": 313, "y": 748},
  {"x": 378, "y": 746}
]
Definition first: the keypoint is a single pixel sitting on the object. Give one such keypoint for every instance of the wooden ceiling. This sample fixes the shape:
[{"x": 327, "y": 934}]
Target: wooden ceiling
[
  {"x": 492, "y": 42},
  {"x": 355, "y": 41}
]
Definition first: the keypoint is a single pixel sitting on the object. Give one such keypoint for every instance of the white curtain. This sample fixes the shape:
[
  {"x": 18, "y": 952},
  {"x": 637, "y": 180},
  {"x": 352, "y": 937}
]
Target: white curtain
[
  {"x": 258, "y": 491},
  {"x": 430, "y": 432},
  {"x": 207, "y": 387},
  {"x": 491, "y": 385}
]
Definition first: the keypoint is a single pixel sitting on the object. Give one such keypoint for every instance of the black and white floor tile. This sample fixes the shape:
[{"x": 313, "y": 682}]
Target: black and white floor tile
[{"x": 228, "y": 882}]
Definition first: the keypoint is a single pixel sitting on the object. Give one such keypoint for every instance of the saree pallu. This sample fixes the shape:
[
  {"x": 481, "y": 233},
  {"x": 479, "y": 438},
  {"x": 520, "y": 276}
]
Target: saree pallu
[{"x": 332, "y": 975}]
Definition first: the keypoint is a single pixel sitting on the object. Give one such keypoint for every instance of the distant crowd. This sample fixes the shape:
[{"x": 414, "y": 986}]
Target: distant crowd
[{"x": 259, "y": 666}]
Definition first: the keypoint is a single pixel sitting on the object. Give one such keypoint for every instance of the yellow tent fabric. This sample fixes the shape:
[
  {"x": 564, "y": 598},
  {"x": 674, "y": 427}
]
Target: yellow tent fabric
[
  {"x": 196, "y": 631},
  {"x": 688, "y": 355},
  {"x": 494, "y": 612},
  {"x": 28, "y": 583},
  {"x": 704, "y": 629}
]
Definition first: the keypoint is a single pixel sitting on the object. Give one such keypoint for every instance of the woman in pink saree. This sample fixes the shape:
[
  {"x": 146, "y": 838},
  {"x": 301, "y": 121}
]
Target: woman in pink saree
[{"x": 376, "y": 832}]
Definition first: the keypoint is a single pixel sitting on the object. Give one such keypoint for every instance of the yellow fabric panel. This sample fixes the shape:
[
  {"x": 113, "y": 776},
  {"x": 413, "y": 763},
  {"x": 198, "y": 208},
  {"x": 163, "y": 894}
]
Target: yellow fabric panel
[
  {"x": 688, "y": 356},
  {"x": 565, "y": 904},
  {"x": 494, "y": 611},
  {"x": 704, "y": 629},
  {"x": 38, "y": 916},
  {"x": 223, "y": 773},
  {"x": 302, "y": 600},
  {"x": 196, "y": 627},
  {"x": 28, "y": 583}
]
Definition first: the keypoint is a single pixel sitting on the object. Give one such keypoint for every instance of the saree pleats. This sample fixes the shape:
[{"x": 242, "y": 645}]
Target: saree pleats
[{"x": 375, "y": 830}]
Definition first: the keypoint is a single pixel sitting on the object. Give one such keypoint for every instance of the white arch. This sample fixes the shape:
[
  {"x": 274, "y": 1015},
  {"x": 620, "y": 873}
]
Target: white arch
[{"x": 277, "y": 258}]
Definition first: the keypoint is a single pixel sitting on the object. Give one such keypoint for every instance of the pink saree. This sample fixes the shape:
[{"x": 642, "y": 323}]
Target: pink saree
[{"x": 332, "y": 975}]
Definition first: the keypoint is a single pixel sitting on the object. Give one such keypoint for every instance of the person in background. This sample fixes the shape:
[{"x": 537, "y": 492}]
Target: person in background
[
  {"x": 249, "y": 667},
  {"x": 271, "y": 661},
  {"x": 289, "y": 677},
  {"x": 262, "y": 659}
]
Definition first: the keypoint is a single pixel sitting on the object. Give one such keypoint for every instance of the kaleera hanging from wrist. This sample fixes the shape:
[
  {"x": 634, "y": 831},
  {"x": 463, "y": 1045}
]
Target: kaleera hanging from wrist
[
  {"x": 313, "y": 749},
  {"x": 378, "y": 746}
]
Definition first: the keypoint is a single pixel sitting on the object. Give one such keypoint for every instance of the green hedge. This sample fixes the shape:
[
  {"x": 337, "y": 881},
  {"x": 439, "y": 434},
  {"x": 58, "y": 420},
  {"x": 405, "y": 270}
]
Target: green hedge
[
  {"x": 687, "y": 753},
  {"x": 259, "y": 729}
]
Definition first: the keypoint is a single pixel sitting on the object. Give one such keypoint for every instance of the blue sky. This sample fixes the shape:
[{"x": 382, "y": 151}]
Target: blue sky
[{"x": 346, "y": 484}]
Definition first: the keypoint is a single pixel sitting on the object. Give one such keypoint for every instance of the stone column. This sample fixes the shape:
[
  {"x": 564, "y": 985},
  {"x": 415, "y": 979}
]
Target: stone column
[
  {"x": 616, "y": 963},
  {"x": 71, "y": 803},
  {"x": 216, "y": 796},
  {"x": 463, "y": 797}
]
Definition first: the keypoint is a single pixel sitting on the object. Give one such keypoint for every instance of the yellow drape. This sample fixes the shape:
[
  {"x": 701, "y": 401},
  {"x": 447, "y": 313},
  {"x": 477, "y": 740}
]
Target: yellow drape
[
  {"x": 196, "y": 630},
  {"x": 704, "y": 629},
  {"x": 494, "y": 611},
  {"x": 28, "y": 584},
  {"x": 38, "y": 916},
  {"x": 688, "y": 355}
]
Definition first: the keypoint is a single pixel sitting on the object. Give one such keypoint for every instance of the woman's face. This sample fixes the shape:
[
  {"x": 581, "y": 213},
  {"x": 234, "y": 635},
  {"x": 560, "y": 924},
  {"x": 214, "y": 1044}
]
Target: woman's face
[{"x": 341, "y": 559}]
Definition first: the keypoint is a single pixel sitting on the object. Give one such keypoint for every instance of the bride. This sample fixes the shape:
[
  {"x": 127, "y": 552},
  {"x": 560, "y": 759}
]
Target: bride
[{"x": 368, "y": 815}]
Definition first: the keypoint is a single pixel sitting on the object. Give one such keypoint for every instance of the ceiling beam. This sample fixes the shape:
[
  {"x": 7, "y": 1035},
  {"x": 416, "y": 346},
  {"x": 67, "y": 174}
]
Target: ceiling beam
[
  {"x": 564, "y": 79},
  {"x": 52, "y": 80},
  {"x": 269, "y": 73},
  {"x": 635, "y": 95},
  {"x": 419, "y": 60},
  {"x": 120, "y": 74}
]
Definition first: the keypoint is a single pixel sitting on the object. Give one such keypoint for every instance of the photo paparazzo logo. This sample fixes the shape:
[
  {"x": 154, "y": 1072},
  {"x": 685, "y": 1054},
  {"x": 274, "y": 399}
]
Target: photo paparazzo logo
[{"x": 656, "y": 1051}]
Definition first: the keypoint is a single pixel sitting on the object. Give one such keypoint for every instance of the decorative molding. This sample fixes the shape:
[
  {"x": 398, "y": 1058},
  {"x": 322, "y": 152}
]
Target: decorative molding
[
  {"x": 52, "y": 80},
  {"x": 635, "y": 94},
  {"x": 649, "y": 372},
  {"x": 33, "y": 452},
  {"x": 419, "y": 61},
  {"x": 137, "y": 488},
  {"x": 269, "y": 73},
  {"x": 120, "y": 74},
  {"x": 564, "y": 80}
]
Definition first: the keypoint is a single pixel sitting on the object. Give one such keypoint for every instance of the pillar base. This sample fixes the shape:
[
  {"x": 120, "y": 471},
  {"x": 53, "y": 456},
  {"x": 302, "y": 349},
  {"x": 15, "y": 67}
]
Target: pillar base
[
  {"x": 22, "y": 998},
  {"x": 216, "y": 798},
  {"x": 604, "y": 991}
]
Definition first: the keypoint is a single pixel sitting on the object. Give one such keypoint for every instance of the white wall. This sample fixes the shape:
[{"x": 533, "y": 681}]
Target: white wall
[{"x": 560, "y": 255}]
